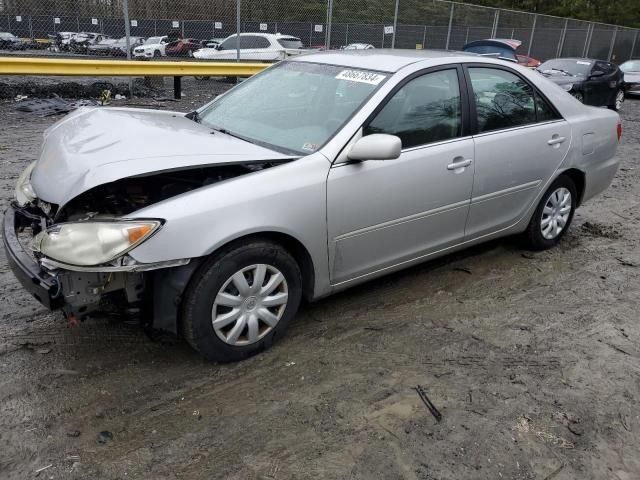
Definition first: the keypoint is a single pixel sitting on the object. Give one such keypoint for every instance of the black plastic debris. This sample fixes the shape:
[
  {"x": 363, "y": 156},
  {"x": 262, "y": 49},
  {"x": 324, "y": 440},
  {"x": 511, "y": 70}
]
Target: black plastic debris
[
  {"x": 425, "y": 399},
  {"x": 52, "y": 106}
]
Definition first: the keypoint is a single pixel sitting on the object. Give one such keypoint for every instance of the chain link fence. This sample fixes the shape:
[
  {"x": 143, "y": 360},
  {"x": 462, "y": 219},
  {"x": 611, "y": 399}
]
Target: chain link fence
[{"x": 319, "y": 24}]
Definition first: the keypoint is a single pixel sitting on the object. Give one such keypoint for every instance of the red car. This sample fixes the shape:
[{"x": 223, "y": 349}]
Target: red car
[
  {"x": 183, "y": 47},
  {"x": 528, "y": 61}
]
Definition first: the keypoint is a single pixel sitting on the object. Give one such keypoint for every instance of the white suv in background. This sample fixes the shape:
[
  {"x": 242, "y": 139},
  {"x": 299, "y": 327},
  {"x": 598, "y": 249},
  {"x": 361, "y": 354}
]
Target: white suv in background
[
  {"x": 266, "y": 47},
  {"x": 153, "y": 47}
]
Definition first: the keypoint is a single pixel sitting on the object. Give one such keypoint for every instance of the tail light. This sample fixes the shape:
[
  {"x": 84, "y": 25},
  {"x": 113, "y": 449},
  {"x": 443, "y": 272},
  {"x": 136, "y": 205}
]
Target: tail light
[{"x": 619, "y": 130}]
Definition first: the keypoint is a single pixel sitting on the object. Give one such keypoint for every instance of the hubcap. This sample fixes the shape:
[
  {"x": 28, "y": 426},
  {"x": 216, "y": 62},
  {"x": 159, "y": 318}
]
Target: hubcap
[
  {"x": 578, "y": 96},
  {"x": 249, "y": 305},
  {"x": 555, "y": 214}
]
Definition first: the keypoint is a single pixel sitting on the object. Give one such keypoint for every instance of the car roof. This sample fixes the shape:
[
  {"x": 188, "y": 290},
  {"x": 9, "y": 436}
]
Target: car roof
[{"x": 381, "y": 59}]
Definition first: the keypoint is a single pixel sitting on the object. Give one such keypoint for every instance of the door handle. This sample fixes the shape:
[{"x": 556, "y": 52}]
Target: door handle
[
  {"x": 556, "y": 140},
  {"x": 457, "y": 164}
]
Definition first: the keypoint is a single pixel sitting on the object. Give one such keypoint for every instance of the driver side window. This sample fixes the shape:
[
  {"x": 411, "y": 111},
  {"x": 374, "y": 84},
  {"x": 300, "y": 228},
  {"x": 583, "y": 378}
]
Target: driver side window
[{"x": 425, "y": 110}]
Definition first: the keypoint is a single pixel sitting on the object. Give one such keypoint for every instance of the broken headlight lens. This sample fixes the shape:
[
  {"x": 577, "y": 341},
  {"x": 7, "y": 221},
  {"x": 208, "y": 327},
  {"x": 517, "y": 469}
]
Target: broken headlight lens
[
  {"x": 92, "y": 243},
  {"x": 24, "y": 190}
]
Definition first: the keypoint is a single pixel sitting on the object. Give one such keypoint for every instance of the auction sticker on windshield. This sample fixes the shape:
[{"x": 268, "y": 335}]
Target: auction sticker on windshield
[{"x": 361, "y": 76}]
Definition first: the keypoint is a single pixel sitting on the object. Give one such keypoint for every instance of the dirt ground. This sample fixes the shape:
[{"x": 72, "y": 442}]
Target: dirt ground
[{"x": 532, "y": 358}]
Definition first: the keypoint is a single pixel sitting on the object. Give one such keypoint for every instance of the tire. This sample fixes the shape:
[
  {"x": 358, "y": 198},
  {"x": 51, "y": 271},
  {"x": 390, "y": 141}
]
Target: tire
[
  {"x": 578, "y": 96},
  {"x": 190, "y": 53},
  {"x": 617, "y": 101},
  {"x": 156, "y": 54},
  {"x": 212, "y": 294},
  {"x": 534, "y": 236}
]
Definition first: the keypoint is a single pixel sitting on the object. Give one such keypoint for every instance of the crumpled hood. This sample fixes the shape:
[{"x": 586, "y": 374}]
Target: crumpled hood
[{"x": 93, "y": 146}]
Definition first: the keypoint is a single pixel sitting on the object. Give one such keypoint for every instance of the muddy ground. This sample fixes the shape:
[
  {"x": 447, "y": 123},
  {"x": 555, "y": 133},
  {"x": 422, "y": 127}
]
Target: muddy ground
[{"x": 532, "y": 358}]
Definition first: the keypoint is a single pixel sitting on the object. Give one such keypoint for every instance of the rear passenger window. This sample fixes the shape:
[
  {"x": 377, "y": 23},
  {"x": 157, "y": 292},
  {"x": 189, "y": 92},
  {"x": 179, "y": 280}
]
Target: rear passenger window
[
  {"x": 544, "y": 111},
  {"x": 425, "y": 110},
  {"x": 503, "y": 100}
]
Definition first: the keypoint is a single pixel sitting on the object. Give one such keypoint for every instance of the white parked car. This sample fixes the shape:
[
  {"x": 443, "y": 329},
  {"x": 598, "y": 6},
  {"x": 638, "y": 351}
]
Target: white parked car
[
  {"x": 359, "y": 46},
  {"x": 266, "y": 47},
  {"x": 153, "y": 47}
]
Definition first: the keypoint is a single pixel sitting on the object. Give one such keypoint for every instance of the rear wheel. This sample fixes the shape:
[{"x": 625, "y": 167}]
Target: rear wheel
[
  {"x": 241, "y": 300},
  {"x": 578, "y": 96},
  {"x": 618, "y": 100},
  {"x": 553, "y": 216}
]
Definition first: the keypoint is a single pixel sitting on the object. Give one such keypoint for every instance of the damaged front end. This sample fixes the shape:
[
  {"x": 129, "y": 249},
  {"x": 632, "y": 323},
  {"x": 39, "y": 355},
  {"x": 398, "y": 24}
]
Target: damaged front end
[{"x": 75, "y": 257}]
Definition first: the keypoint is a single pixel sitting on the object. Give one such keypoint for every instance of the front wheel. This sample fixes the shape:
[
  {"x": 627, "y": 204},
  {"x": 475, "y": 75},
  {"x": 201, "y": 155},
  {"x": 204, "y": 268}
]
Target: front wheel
[
  {"x": 578, "y": 96},
  {"x": 553, "y": 216},
  {"x": 241, "y": 300},
  {"x": 618, "y": 101},
  {"x": 156, "y": 53}
]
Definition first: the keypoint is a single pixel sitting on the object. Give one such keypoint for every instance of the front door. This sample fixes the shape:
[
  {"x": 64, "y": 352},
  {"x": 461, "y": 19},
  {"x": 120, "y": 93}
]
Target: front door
[
  {"x": 520, "y": 142},
  {"x": 384, "y": 213}
]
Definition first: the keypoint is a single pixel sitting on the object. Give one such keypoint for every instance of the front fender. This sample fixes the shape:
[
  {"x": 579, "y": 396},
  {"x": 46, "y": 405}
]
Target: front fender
[{"x": 289, "y": 199}]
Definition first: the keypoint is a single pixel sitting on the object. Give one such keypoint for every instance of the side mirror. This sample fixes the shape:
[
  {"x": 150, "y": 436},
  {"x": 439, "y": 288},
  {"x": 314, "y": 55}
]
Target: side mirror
[
  {"x": 378, "y": 146},
  {"x": 596, "y": 74}
]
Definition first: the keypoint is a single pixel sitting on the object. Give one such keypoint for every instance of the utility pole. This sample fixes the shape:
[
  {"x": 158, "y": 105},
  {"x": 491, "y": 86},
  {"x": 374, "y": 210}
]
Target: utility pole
[{"x": 127, "y": 33}]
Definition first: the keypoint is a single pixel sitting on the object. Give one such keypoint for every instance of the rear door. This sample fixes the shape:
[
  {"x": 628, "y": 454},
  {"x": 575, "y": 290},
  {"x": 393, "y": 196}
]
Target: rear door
[{"x": 520, "y": 141}]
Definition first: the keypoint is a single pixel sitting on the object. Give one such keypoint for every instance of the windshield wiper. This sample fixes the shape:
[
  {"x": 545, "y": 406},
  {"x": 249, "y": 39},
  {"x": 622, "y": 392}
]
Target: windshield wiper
[
  {"x": 562, "y": 71},
  {"x": 231, "y": 134}
]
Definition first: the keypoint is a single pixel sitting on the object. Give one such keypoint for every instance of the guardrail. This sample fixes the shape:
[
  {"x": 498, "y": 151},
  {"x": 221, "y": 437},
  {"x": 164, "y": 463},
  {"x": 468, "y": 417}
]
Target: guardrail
[{"x": 126, "y": 68}]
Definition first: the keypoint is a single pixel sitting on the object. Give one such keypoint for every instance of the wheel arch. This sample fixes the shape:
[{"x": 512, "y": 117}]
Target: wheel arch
[
  {"x": 578, "y": 177},
  {"x": 170, "y": 284},
  {"x": 294, "y": 246}
]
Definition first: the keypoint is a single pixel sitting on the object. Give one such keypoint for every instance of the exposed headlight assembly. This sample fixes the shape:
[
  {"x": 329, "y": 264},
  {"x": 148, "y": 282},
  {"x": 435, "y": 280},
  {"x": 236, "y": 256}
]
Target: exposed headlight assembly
[
  {"x": 24, "y": 190},
  {"x": 567, "y": 86},
  {"x": 92, "y": 243}
]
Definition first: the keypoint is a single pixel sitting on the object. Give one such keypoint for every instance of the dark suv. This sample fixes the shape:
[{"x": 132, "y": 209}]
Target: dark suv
[{"x": 593, "y": 82}]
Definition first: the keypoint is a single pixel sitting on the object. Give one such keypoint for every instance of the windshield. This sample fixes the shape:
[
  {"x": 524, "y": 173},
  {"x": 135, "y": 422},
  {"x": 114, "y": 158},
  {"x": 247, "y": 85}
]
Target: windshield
[
  {"x": 153, "y": 40},
  {"x": 631, "y": 66},
  {"x": 294, "y": 106},
  {"x": 566, "y": 66},
  {"x": 7, "y": 35},
  {"x": 290, "y": 42}
]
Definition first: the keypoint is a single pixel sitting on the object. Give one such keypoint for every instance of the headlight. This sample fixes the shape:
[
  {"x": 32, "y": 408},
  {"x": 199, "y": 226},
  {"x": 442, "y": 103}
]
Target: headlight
[
  {"x": 567, "y": 86},
  {"x": 24, "y": 191},
  {"x": 92, "y": 243}
]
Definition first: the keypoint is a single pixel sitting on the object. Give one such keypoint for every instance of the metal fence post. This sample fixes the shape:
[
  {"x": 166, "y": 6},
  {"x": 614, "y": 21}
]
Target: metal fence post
[
  {"x": 633, "y": 47},
  {"x": 446, "y": 47},
  {"x": 587, "y": 43},
  {"x": 31, "y": 30},
  {"x": 533, "y": 31},
  {"x": 562, "y": 37},
  {"x": 496, "y": 19},
  {"x": 613, "y": 43},
  {"x": 395, "y": 25},
  {"x": 424, "y": 37},
  {"x": 237, "y": 30},
  {"x": 127, "y": 34},
  {"x": 327, "y": 38},
  {"x": 346, "y": 35}
]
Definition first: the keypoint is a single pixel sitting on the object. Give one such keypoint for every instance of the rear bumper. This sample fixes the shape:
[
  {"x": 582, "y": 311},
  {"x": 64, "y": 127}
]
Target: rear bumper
[{"x": 43, "y": 286}]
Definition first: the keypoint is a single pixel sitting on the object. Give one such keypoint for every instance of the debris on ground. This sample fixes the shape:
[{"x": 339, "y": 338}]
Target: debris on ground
[
  {"x": 52, "y": 106},
  {"x": 105, "y": 437},
  {"x": 43, "y": 469},
  {"x": 73, "y": 433},
  {"x": 425, "y": 399}
]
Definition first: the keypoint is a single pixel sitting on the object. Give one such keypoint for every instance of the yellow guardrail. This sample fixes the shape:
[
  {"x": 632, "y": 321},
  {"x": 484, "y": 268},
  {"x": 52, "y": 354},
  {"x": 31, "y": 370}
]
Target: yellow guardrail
[{"x": 116, "y": 68}]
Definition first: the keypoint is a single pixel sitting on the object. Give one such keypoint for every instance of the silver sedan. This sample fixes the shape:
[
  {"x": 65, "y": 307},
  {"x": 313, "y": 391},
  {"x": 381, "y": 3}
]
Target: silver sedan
[{"x": 319, "y": 173}]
